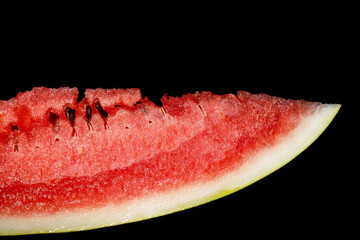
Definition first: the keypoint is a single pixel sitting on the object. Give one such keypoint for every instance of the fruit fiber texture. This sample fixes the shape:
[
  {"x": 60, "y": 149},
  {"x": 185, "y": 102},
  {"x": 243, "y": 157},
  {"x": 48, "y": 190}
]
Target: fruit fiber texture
[{"x": 64, "y": 161}]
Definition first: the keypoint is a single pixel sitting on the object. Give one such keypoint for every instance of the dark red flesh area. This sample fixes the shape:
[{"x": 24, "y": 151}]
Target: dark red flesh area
[{"x": 137, "y": 149}]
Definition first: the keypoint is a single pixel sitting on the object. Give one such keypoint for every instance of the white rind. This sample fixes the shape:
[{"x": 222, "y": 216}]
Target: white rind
[{"x": 261, "y": 165}]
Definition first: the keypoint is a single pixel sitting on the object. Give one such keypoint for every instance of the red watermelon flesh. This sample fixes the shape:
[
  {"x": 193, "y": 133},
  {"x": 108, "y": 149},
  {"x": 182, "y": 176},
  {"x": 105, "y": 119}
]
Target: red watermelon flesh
[{"x": 63, "y": 159}]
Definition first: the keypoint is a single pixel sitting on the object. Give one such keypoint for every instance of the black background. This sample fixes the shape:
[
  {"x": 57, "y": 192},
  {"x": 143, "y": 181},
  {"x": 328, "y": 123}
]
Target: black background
[{"x": 291, "y": 52}]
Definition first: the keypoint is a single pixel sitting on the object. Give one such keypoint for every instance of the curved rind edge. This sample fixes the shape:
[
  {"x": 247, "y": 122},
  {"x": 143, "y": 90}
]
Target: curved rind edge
[{"x": 158, "y": 204}]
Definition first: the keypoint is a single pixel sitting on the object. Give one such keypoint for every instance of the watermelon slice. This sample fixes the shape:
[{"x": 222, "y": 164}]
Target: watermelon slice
[{"x": 115, "y": 157}]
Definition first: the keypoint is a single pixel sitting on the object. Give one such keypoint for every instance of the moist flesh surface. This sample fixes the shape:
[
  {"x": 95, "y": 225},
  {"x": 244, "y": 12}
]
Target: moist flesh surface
[{"x": 59, "y": 154}]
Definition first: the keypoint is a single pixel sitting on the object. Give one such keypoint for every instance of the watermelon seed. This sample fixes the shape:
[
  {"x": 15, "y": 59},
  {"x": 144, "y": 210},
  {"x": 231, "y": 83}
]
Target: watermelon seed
[
  {"x": 103, "y": 113},
  {"x": 14, "y": 127},
  {"x": 70, "y": 115},
  {"x": 101, "y": 110},
  {"x": 16, "y": 148},
  {"x": 88, "y": 113},
  {"x": 88, "y": 117}
]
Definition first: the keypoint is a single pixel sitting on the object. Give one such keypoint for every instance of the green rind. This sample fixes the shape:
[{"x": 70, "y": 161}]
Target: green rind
[{"x": 160, "y": 204}]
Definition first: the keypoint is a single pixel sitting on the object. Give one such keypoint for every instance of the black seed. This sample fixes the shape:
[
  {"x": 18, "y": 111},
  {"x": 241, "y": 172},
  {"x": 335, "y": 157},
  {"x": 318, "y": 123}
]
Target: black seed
[
  {"x": 117, "y": 105},
  {"x": 16, "y": 148},
  {"x": 102, "y": 112},
  {"x": 88, "y": 116},
  {"x": 14, "y": 127},
  {"x": 53, "y": 117},
  {"x": 88, "y": 113},
  {"x": 70, "y": 114}
]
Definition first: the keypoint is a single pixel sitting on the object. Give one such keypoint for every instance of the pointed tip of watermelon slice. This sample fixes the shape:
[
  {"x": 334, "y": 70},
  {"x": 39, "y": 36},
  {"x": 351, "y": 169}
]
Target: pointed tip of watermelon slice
[{"x": 262, "y": 164}]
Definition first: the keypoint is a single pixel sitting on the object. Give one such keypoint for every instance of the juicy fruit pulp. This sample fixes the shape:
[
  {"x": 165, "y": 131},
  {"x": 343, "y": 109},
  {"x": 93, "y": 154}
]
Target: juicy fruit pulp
[{"x": 119, "y": 158}]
